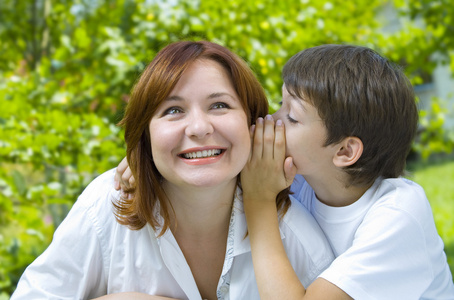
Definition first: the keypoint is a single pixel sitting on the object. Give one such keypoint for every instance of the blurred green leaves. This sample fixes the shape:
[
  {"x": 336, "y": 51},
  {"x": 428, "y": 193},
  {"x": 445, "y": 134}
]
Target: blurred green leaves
[
  {"x": 67, "y": 67},
  {"x": 433, "y": 137}
]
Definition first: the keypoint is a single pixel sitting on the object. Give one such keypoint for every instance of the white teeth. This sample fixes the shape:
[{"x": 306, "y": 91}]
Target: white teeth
[{"x": 202, "y": 154}]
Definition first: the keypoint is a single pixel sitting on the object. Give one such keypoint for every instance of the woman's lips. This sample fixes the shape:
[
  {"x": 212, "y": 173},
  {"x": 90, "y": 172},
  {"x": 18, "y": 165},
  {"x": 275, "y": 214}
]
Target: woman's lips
[{"x": 200, "y": 156}]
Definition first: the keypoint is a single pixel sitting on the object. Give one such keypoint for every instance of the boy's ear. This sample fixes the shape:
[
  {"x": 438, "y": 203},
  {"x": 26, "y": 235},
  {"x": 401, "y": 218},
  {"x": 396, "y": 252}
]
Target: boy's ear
[{"x": 349, "y": 151}]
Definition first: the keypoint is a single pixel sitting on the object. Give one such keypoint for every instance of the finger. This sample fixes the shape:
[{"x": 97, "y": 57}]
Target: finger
[
  {"x": 116, "y": 182},
  {"x": 132, "y": 181},
  {"x": 289, "y": 170},
  {"x": 279, "y": 141},
  {"x": 119, "y": 172},
  {"x": 257, "y": 146},
  {"x": 268, "y": 137},
  {"x": 251, "y": 136},
  {"x": 122, "y": 166},
  {"x": 125, "y": 177}
]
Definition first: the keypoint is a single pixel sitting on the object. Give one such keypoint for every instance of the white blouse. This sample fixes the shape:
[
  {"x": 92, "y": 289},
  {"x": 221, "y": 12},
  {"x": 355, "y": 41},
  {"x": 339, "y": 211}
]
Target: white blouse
[{"x": 93, "y": 255}]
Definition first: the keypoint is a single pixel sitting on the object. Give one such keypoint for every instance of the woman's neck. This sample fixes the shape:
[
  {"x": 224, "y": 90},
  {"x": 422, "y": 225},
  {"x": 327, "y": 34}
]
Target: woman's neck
[
  {"x": 200, "y": 211},
  {"x": 200, "y": 227}
]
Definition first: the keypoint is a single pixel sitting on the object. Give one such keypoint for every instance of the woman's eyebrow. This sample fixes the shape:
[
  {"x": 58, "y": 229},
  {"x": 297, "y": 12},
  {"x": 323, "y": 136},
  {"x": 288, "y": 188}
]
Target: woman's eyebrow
[
  {"x": 174, "y": 98},
  {"x": 210, "y": 96},
  {"x": 218, "y": 95}
]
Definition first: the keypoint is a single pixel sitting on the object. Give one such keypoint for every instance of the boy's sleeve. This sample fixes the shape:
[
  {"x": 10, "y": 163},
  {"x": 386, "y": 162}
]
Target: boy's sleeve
[{"x": 389, "y": 258}]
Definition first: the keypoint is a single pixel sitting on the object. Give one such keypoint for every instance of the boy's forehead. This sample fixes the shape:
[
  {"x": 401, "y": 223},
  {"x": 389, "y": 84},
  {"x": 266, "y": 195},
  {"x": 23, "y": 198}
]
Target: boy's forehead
[
  {"x": 294, "y": 98},
  {"x": 287, "y": 92},
  {"x": 284, "y": 90}
]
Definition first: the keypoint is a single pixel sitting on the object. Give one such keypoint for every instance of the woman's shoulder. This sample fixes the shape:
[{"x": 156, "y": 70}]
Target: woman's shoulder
[
  {"x": 306, "y": 244},
  {"x": 100, "y": 191},
  {"x": 96, "y": 201},
  {"x": 301, "y": 223}
]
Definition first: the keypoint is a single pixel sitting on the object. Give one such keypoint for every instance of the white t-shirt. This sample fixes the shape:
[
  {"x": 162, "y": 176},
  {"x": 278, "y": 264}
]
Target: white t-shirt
[
  {"x": 93, "y": 255},
  {"x": 386, "y": 244}
]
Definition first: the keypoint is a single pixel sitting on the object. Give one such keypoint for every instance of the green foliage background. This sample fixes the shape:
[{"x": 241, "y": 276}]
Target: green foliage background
[{"x": 66, "y": 69}]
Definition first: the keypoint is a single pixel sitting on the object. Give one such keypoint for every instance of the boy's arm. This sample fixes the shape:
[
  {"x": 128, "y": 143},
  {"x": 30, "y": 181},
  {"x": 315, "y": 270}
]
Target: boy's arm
[{"x": 263, "y": 177}]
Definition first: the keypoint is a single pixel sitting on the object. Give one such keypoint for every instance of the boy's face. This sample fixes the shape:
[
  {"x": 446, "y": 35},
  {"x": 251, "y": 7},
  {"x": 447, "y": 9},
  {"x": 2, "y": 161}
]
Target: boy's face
[{"x": 305, "y": 136}]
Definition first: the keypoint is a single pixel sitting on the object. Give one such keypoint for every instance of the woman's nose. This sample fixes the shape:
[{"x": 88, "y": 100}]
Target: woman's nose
[{"x": 199, "y": 125}]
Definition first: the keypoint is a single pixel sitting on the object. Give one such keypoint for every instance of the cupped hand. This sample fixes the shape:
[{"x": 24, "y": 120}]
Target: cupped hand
[{"x": 267, "y": 171}]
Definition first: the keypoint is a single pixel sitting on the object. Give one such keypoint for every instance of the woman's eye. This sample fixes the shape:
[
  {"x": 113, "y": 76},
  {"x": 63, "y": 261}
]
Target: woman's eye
[
  {"x": 291, "y": 120},
  {"x": 173, "y": 111},
  {"x": 220, "y": 105}
]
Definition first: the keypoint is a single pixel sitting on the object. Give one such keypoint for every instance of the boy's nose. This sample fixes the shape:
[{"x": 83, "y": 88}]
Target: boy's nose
[{"x": 277, "y": 115}]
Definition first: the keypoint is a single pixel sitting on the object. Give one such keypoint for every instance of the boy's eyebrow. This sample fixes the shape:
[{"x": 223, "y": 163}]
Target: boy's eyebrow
[{"x": 300, "y": 102}]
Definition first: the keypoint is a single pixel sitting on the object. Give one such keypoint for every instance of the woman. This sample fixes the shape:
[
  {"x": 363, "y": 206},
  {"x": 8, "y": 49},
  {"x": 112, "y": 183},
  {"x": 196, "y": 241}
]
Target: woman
[{"x": 182, "y": 234}]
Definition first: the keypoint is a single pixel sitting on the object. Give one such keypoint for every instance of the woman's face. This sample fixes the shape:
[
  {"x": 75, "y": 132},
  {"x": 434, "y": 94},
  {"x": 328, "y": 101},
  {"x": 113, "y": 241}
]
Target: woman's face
[{"x": 200, "y": 133}]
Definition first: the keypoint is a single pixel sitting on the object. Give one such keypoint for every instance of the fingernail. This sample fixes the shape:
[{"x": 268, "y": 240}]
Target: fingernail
[
  {"x": 252, "y": 128},
  {"x": 268, "y": 117},
  {"x": 260, "y": 120},
  {"x": 279, "y": 122}
]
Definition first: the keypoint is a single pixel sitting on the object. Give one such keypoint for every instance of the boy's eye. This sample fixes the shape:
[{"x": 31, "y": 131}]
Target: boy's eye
[
  {"x": 220, "y": 105},
  {"x": 173, "y": 111},
  {"x": 291, "y": 120}
]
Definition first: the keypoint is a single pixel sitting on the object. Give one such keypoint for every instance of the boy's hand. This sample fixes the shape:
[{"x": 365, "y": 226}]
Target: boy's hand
[
  {"x": 267, "y": 171},
  {"x": 123, "y": 176}
]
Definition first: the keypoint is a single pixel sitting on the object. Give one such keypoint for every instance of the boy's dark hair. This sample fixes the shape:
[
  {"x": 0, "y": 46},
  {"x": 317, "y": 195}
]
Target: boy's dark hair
[{"x": 358, "y": 93}]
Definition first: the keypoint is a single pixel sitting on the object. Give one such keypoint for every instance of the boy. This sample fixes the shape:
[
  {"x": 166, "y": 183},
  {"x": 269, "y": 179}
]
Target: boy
[{"x": 350, "y": 119}]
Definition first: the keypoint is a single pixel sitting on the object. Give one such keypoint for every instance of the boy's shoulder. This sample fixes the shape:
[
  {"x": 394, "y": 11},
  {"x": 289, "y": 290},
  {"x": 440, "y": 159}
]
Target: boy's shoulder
[{"x": 400, "y": 193}]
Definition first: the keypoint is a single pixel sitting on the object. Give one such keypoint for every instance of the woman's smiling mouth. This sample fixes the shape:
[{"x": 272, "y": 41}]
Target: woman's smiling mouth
[{"x": 202, "y": 154}]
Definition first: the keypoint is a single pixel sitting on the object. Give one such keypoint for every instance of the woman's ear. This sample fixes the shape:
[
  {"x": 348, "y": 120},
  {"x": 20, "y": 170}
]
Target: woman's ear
[{"x": 349, "y": 151}]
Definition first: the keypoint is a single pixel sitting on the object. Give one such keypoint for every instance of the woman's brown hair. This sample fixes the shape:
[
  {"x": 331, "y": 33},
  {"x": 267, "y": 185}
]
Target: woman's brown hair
[{"x": 153, "y": 87}]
